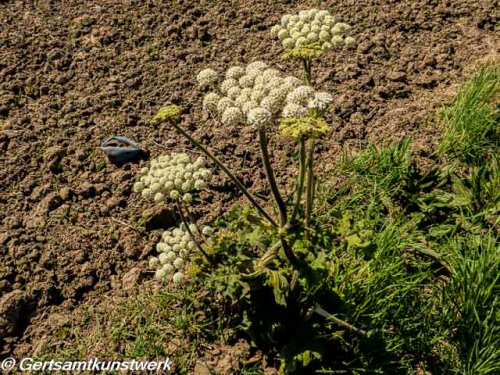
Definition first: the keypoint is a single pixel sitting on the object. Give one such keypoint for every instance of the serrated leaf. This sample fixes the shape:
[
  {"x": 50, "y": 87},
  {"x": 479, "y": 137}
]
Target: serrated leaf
[{"x": 254, "y": 238}]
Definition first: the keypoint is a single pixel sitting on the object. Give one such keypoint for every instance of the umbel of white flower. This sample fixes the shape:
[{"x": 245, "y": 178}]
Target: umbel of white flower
[
  {"x": 173, "y": 176},
  {"x": 311, "y": 26},
  {"x": 174, "y": 250},
  {"x": 207, "y": 77},
  {"x": 256, "y": 95}
]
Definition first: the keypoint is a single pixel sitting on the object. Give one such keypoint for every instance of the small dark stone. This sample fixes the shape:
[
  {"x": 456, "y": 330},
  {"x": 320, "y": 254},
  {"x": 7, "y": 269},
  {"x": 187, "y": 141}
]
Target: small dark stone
[
  {"x": 80, "y": 155},
  {"x": 15, "y": 223},
  {"x": 54, "y": 166},
  {"x": 56, "y": 55},
  {"x": 5, "y": 286}
]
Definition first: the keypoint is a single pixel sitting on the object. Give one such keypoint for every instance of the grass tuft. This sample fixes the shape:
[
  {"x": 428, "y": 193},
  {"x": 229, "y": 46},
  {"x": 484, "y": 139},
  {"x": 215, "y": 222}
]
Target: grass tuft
[{"x": 473, "y": 118}]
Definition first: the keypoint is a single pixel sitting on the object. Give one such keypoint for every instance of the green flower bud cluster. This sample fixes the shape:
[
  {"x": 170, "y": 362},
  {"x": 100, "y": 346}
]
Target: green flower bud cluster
[
  {"x": 173, "y": 176},
  {"x": 312, "y": 26},
  {"x": 170, "y": 112},
  {"x": 256, "y": 94},
  {"x": 308, "y": 127}
]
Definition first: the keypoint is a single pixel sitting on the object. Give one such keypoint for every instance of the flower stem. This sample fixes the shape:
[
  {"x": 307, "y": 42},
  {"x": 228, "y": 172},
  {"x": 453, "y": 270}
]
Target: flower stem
[
  {"x": 308, "y": 71},
  {"x": 189, "y": 215},
  {"x": 294, "y": 261},
  {"x": 181, "y": 212},
  {"x": 302, "y": 174},
  {"x": 270, "y": 176},
  {"x": 309, "y": 187},
  {"x": 228, "y": 173},
  {"x": 292, "y": 258}
]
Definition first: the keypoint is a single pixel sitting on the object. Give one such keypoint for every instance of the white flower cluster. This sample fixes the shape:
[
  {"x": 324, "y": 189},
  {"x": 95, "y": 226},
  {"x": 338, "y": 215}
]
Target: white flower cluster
[
  {"x": 173, "y": 176},
  {"x": 311, "y": 26},
  {"x": 207, "y": 77},
  {"x": 173, "y": 250},
  {"x": 256, "y": 94}
]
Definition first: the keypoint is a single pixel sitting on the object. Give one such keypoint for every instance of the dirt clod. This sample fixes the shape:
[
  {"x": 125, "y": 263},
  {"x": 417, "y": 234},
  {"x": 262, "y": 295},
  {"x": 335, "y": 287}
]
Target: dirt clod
[
  {"x": 201, "y": 369},
  {"x": 10, "y": 309},
  {"x": 132, "y": 278}
]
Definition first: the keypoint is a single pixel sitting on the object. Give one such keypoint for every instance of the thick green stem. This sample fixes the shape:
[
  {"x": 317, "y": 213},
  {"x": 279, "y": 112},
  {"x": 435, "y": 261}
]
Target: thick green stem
[
  {"x": 228, "y": 173},
  {"x": 309, "y": 187},
  {"x": 308, "y": 71},
  {"x": 302, "y": 174},
  {"x": 270, "y": 176},
  {"x": 294, "y": 261},
  {"x": 292, "y": 258},
  {"x": 181, "y": 212}
]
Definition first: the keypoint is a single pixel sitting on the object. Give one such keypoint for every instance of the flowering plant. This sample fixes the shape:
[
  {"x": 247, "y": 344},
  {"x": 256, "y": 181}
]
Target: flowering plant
[
  {"x": 260, "y": 249},
  {"x": 261, "y": 97}
]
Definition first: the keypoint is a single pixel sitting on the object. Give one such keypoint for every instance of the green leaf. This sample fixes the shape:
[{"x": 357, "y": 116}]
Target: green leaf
[
  {"x": 320, "y": 262},
  {"x": 254, "y": 238},
  {"x": 441, "y": 230},
  {"x": 306, "y": 358},
  {"x": 345, "y": 224},
  {"x": 280, "y": 286},
  {"x": 355, "y": 241}
]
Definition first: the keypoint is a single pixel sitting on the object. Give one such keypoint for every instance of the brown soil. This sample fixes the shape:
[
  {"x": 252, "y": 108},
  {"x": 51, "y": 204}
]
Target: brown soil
[{"x": 73, "y": 73}]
